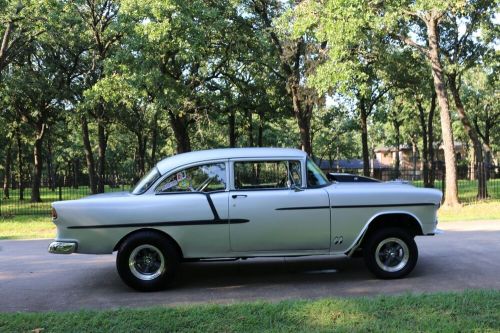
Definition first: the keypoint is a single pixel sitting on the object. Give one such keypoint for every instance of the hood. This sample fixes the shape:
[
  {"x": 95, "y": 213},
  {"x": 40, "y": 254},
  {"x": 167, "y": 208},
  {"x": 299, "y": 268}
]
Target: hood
[{"x": 383, "y": 193}]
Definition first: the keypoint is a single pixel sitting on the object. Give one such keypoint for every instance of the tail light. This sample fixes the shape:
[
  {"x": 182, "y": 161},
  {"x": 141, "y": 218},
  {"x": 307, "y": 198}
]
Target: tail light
[{"x": 54, "y": 213}]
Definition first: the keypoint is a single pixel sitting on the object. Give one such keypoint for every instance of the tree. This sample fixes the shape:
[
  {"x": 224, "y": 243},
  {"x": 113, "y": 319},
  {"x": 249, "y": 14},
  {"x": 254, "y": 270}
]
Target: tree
[
  {"x": 101, "y": 33},
  {"x": 481, "y": 98},
  {"x": 299, "y": 56},
  {"x": 394, "y": 20},
  {"x": 462, "y": 51},
  {"x": 355, "y": 58},
  {"x": 21, "y": 24},
  {"x": 176, "y": 76}
]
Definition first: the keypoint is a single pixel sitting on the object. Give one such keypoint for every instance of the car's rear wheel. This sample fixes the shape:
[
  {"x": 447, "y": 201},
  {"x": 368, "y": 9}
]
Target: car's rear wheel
[
  {"x": 390, "y": 253},
  {"x": 147, "y": 261}
]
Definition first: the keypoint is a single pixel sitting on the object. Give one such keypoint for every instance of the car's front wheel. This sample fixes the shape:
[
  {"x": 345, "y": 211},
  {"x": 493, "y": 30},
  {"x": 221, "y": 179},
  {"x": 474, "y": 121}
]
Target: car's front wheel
[
  {"x": 147, "y": 261},
  {"x": 390, "y": 253}
]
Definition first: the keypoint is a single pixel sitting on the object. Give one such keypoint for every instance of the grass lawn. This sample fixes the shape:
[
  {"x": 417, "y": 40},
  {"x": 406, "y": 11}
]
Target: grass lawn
[
  {"x": 27, "y": 227},
  {"x": 488, "y": 210},
  {"x": 470, "y": 311}
]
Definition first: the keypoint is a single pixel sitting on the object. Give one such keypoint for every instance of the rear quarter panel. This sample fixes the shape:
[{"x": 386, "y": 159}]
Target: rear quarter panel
[
  {"x": 194, "y": 240},
  {"x": 354, "y": 206}
]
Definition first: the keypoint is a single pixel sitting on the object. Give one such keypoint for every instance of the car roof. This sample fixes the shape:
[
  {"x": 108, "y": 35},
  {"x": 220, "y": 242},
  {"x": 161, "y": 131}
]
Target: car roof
[{"x": 225, "y": 153}]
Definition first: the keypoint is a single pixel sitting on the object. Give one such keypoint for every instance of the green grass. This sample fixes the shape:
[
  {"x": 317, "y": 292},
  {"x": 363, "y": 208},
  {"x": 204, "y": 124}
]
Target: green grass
[
  {"x": 27, "y": 227},
  {"x": 470, "y": 311},
  {"x": 487, "y": 210}
]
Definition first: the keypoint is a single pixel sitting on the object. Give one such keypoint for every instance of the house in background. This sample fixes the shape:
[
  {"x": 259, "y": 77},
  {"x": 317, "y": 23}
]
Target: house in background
[
  {"x": 383, "y": 161},
  {"x": 410, "y": 158}
]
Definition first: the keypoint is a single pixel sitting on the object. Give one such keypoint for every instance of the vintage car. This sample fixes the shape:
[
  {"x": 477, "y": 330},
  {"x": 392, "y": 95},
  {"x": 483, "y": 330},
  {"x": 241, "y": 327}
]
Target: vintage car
[{"x": 241, "y": 203}]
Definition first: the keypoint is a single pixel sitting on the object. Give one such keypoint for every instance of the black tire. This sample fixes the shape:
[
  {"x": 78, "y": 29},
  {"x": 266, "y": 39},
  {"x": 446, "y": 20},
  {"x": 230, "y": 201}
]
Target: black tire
[
  {"x": 147, "y": 261},
  {"x": 390, "y": 253}
]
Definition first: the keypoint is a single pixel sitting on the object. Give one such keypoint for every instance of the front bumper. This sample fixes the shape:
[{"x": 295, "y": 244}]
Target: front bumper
[{"x": 62, "y": 247}]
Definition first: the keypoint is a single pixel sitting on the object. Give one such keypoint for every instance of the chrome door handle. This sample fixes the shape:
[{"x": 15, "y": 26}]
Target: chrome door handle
[{"x": 239, "y": 195}]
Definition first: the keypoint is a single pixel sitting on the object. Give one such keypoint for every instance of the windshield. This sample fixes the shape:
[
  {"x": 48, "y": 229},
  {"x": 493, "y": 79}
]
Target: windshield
[
  {"x": 315, "y": 177},
  {"x": 146, "y": 181}
]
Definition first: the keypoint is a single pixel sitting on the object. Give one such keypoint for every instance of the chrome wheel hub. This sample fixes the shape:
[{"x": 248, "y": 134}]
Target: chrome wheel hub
[
  {"x": 392, "y": 254},
  {"x": 146, "y": 262}
]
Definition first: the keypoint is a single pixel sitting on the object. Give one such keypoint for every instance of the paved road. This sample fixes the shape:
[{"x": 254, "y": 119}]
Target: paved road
[{"x": 466, "y": 256}]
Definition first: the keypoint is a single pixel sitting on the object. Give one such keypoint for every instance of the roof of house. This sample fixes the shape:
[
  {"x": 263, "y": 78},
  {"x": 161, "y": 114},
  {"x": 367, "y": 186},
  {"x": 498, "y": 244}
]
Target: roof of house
[{"x": 174, "y": 161}]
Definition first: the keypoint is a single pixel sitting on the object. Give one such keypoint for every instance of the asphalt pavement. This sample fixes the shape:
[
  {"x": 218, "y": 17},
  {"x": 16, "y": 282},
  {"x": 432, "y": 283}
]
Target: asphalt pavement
[{"x": 466, "y": 256}]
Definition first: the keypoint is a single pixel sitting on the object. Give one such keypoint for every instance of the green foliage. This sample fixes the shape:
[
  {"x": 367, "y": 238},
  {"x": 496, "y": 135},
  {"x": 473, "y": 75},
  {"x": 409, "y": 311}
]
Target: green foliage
[
  {"x": 441, "y": 312},
  {"x": 152, "y": 73}
]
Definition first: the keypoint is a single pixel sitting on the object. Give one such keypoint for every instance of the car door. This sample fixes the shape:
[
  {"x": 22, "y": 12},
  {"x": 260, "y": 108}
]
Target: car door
[
  {"x": 270, "y": 210},
  {"x": 194, "y": 199}
]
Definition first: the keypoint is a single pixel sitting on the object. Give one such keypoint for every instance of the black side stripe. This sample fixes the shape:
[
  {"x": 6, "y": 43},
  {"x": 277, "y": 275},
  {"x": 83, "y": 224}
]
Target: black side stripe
[
  {"x": 387, "y": 205},
  {"x": 161, "y": 224},
  {"x": 300, "y": 208},
  {"x": 357, "y": 206},
  {"x": 216, "y": 220}
]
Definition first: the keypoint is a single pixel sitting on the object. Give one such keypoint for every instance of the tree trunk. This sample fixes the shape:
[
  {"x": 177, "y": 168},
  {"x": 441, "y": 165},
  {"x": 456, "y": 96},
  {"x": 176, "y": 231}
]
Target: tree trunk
[
  {"x": 89, "y": 157},
  {"x": 50, "y": 167},
  {"x": 430, "y": 141},
  {"x": 482, "y": 191},
  {"x": 472, "y": 164},
  {"x": 451, "y": 194},
  {"x": 303, "y": 112},
  {"x": 180, "y": 126},
  {"x": 232, "y": 128},
  {"x": 398, "y": 144},
  {"x": 141, "y": 152},
  {"x": 5, "y": 44},
  {"x": 20, "y": 164},
  {"x": 414, "y": 152},
  {"x": 250, "y": 128},
  {"x": 8, "y": 168},
  {"x": 363, "y": 117},
  {"x": 154, "y": 140},
  {"x": 102, "y": 143},
  {"x": 425, "y": 151},
  {"x": 260, "y": 138},
  {"x": 75, "y": 172},
  {"x": 37, "y": 165}
]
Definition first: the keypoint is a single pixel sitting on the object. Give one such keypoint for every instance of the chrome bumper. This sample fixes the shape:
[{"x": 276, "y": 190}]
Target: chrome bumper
[{"x": 62, "y": 247}]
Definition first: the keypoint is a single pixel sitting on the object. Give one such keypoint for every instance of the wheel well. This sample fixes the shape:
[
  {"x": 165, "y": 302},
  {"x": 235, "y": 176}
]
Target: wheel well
[
  {"x": 400, "y": 220},
  {"x": 164, "y": 234}
]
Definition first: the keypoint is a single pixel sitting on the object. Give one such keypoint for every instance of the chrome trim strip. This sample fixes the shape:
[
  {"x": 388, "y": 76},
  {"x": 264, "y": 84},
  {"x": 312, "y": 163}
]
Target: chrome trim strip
[{"x": 161, "y": 224}]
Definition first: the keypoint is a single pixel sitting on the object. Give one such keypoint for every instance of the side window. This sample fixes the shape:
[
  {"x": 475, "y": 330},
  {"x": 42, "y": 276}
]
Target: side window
[
  {"x": 201, "y": 178},
  {"x": 315, "y": 177},
  {"x": 266, "y": 174},
  {"x": 295, "y": 173}
]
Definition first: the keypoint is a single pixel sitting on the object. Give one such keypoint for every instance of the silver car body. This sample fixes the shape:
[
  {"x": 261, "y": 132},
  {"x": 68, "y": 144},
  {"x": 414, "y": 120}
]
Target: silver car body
[{"x": 238, "y": 223}]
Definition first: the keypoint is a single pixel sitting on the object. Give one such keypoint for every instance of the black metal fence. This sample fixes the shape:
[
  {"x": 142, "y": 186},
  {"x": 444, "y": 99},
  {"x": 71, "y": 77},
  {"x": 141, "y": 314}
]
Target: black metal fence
[{"x": 18, "y": 199}]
